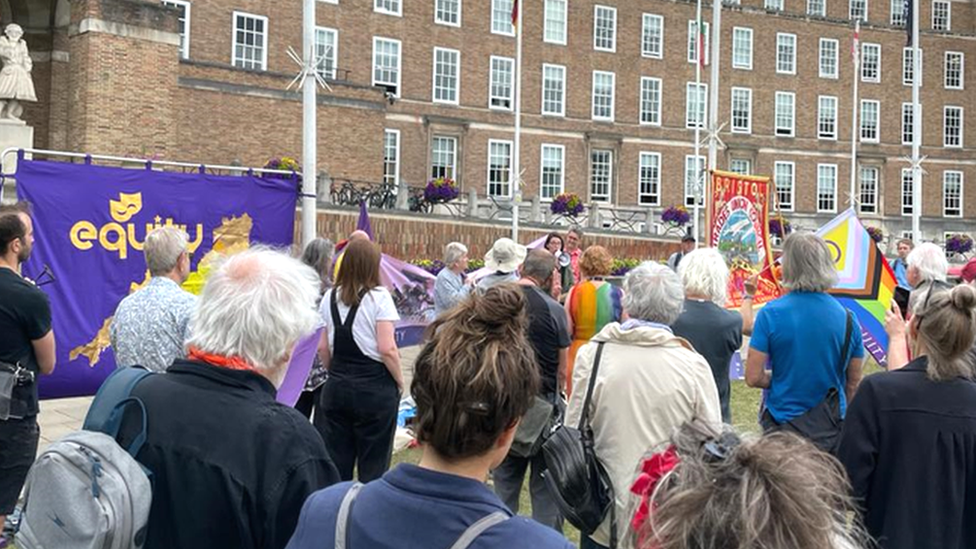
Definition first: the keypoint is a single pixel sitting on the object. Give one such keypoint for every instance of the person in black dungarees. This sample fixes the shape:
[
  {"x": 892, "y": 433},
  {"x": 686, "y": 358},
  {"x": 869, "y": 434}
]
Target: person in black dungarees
[{"x": 361, "y": 397}]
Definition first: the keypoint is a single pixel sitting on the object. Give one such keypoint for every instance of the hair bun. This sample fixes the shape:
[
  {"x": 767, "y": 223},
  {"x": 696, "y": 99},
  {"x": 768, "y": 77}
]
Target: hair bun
[
  {"x": 500, "y": 309},
  {"x": 963, "y": 297}
]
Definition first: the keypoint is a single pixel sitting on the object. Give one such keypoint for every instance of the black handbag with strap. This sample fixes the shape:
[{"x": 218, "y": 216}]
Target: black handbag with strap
[
  {"x": 578, "y": 482},
  {"x": 823, "y": 423}
]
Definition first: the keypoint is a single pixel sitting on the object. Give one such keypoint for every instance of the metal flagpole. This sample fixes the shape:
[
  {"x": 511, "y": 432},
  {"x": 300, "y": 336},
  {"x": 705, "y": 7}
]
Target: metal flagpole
[
  {"x": 716, "y": 35},
  {"x": 856, "y": 55},
  {"x": 309, "y": 161},
  {"x": 516, "y": 153},
  {"x": 916, "y": 130},
  {"x": 698, "y": 122}
]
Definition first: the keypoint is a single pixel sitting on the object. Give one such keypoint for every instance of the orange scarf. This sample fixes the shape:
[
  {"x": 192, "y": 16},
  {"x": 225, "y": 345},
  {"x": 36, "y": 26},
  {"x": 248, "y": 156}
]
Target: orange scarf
[{"x": 229, "y": 362}]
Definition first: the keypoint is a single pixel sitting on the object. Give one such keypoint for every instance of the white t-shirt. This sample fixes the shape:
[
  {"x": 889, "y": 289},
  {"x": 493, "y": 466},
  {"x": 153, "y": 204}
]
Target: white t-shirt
[{"x": 377, "y": 305}]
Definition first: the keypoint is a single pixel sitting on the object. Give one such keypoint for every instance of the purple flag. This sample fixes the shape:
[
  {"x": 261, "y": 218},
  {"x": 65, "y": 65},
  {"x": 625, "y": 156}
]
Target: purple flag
[
  {"x": 298, "y": 368},
  {"x": 90, "y": 223},
  {"x": 362, "y": 224}
]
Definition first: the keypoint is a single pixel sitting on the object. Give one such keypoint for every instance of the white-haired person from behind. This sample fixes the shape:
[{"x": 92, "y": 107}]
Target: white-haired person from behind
[
  {"x": 648, "y": 382},
  {"x": 927, "y": 268},
  {"x": 150, "y": 327},
  {"x": 231, "y": 466},
  {"x": 713, "y": 330}
]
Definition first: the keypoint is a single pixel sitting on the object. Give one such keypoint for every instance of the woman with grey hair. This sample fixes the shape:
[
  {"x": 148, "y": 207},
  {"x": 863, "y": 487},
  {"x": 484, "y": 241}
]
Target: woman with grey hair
[
  {"x": 715, "y": 332},
  {"x": 813, "y": 346},
  {"x": 646, "y": 383},
  {"x": 450, "y": 287},
  {"x": 317, "y": 255}
]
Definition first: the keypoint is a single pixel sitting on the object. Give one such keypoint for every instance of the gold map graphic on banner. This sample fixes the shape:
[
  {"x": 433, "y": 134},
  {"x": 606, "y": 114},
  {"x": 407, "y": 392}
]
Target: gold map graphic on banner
[{"x": 231, "y": 237}]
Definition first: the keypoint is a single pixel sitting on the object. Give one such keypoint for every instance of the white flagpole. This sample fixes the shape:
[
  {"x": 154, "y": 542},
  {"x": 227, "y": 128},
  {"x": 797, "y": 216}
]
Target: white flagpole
[
  {"x": 309, "y": 161},
  {"x": 698, "y": 173},
  {"x": 516, "y": 153},
  {"x": 715, "y": 34},
  {"x": 856, "y": 55},
  {"x": 916, "y": 130}
]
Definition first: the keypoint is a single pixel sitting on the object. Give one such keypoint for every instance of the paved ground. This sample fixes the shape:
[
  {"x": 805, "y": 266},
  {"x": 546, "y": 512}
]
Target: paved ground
[{"x": 62, "y": 416}]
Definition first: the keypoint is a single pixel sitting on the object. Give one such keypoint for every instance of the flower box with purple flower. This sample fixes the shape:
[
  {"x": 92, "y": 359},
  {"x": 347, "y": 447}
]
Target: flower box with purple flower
[
  {"x": 568, "y": 204},
  {"x": 440, "y": 190},
  {"x": 780, "y": 228},
  {"x": 959, "y": 244},
  {"x": 877, "y": 235},
  {"x": 676, "y": 216}
]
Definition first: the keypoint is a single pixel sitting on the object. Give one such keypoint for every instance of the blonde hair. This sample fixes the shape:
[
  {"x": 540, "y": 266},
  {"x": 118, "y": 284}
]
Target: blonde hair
[
  {"x": 947, "y": 328},
  {"x": 596, "y": 261}
]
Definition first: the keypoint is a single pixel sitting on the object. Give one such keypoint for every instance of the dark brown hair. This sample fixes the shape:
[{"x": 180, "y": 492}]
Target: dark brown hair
[
  {"x": 359, "y": 271},
  {"x": 12, "y": 227},
  {"x": 550, "y": 236},
  {"x": 476, "y": 376}
]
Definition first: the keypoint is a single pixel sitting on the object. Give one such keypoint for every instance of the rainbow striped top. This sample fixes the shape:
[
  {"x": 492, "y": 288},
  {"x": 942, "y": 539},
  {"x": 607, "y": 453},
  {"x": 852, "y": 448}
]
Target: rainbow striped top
[{"x": 592, "y": 307}]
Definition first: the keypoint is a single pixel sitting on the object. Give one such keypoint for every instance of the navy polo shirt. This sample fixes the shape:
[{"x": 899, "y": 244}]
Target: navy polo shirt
[{"x": 415, "y": 508}]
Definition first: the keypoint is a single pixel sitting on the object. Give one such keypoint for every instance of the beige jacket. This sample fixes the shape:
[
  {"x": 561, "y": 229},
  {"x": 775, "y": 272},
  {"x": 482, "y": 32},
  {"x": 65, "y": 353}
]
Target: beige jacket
[{"x": 649, "y": 383}]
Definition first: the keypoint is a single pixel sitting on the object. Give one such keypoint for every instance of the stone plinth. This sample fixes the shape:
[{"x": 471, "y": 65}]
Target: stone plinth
[{"x": 14, "y": 134}]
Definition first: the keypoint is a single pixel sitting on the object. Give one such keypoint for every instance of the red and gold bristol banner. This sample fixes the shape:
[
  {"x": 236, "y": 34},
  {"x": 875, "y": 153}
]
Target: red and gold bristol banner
[{"x": 738, "y": 214}]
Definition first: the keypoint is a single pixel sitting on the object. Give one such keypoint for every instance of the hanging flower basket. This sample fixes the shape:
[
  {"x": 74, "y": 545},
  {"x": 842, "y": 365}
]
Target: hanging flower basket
[
  {"x": 441, "y": 190},
  {"x": 285, "y": 163},
  {"x": 568, "y": 204},
  {"x": 676, "y": 216},
  {"x": 877, "y": 235},
  {"x": 779, "y": 227},
  {"x": 959, "y": 244}
]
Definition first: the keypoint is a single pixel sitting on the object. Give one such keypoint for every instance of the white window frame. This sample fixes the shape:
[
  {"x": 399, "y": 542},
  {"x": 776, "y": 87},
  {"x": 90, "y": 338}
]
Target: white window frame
[
  {"x": 945, "y": 193},
  {"x": 508, "y": 182},
  {"x": 825, "y": 195},
  {"x": 948, "y": 13},
  {"x": 593, "y": 96},
  {"x": 646, "y": 29},
  {"x": 774, "y": 5},
  {"x": 907, "y": 66},
  {"x": 868, "y": 206},
  {"x": 741, "y": 166},
  {"x": 326, "y": 71},
  {"x": 897, "y": 14},
  {"x": 907, "y": 199},
  {"x": 747, "y": 128},
  {"x": 399, "y": 64},
  {"x": 877, "y": 121},
  {"x": 945, "y": 126},
  {"x": 655, "y": 114},
  {"x": 457, "y": 78},
  {"x": 509, "y": 27},
  {"x": 821, "y": 134},
  {"x": 653, "y": 198},
  {"x": 703, "y": 94},
  {"x": 438, "y": 10},
  {"x": 833, "y": 59},
  {"x": 451, "y": 169},
  {"x": 962, "y": 70},
  {"x": 907, "y": 128},
  {"x": 865, "y": 77},
  {"x": 608, "y": 197},
  {"x": 822, "y": 12},
  {"x": 264, "y": 34},
  {"x": 691, "y": 179},
  {"x": 491, "y": 83},
  {"x": 785, "y": 65},
  {"x": 788, "y": 207},
  {"x": 396, "y": 161},
  {"x": 562, "y": 91},
  {"x": 380, "y": 6},
  {"x": 185, "y": 20},
  {"x": 693, "y": 41},
  {"x": 542, "y": 170},
  {"x": 850, "y": 10},
  {"x": 612, "y": 31},
  {"x": 565, "y": 22},
  {"x": 788, "y": 131},
  {"x": 746, "y": 38}
]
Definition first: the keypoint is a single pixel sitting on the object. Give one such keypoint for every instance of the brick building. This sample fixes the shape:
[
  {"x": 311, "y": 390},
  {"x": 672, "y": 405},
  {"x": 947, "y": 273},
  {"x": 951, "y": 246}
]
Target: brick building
[{"x": 424, "y": 87}]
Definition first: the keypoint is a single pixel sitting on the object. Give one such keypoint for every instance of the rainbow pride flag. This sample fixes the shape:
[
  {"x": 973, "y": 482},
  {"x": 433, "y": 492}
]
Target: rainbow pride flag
[{"x": 866, "y": 283}]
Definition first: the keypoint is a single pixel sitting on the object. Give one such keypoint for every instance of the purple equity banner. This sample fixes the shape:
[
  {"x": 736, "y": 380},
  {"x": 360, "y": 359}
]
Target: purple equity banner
[{"x": 90, "y": 223}]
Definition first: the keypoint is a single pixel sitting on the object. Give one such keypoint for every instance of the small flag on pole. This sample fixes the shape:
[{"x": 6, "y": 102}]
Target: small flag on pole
[
  {"x": 909, "y": 20},
  {"x": 856, "y": 45},
  {"x": 701, "y": 41},
  {"x": 515, "y": 8}
]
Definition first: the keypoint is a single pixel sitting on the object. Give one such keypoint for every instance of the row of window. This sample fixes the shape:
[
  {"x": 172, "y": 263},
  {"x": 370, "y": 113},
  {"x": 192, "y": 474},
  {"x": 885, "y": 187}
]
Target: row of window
[{"x": 444, "y": 153}]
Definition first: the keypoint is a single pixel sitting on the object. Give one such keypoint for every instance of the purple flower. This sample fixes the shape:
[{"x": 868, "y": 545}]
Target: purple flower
[
  {"x": 442, "y": 189},
  {"x": 780, "y": 227},
  {"x": 568, "y": 204},
  {"x": 959, "y": 244},
  {"x": 676, "y": 216},
  {"x": 876, "y": 233}
]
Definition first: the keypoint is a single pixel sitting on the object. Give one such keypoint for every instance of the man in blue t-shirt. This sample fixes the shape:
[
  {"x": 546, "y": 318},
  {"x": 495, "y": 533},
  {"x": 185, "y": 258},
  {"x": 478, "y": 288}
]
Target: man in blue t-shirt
[{"x": 802, "y": 336}]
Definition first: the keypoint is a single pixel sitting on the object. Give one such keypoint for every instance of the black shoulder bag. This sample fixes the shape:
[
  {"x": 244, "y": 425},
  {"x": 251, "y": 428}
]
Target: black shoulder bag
[
  {"x": 821, "y": 424},
  {"x": 577, "y": 480}
]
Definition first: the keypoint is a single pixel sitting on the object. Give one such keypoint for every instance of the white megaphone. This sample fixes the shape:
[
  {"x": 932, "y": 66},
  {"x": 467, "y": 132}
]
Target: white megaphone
[{"x": 563, "y": 259}]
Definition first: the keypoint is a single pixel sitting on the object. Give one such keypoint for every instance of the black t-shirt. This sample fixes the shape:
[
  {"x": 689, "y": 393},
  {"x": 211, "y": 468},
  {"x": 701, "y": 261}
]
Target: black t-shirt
[
  {"x": 716, "y": 334},
  {"x": 25, "y": 316},
  {"x": 548, "y": 333}
]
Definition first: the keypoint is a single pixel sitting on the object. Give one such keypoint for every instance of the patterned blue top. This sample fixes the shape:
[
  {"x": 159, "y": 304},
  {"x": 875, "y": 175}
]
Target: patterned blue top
[{"x": 151, "y": 326}]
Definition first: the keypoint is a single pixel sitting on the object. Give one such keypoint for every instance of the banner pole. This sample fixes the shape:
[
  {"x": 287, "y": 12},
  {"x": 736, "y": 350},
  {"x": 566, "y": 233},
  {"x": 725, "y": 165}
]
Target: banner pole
[{"x": 309, "y": 122}]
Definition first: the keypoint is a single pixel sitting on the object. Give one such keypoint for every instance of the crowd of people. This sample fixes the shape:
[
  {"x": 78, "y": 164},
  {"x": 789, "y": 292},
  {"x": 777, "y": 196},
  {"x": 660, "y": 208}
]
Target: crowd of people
[{"x": 542, "y": 338}]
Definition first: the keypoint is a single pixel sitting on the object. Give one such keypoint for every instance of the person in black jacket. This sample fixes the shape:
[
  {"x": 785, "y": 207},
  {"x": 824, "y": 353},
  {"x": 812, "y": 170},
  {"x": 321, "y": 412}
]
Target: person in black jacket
[
  {"x": 909, "y": 443},
  {"x": 231, "y": 466}
]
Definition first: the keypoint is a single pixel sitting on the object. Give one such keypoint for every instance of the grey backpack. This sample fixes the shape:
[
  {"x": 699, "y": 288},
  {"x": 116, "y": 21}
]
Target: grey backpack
[{"x": 86, "y": 491}]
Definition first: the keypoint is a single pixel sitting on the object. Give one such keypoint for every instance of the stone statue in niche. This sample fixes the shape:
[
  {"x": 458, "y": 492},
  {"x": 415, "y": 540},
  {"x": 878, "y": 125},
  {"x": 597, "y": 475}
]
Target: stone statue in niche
[{"x": 15, "y": 77}]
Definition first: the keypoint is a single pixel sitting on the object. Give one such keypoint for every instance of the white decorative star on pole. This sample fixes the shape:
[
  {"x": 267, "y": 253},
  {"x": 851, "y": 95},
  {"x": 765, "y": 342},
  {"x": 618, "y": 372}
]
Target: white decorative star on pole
[
  {"x": 713, "y": 133},
  {"x": 308, "y": 68},
  {"x": 913, "y": 165}
]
